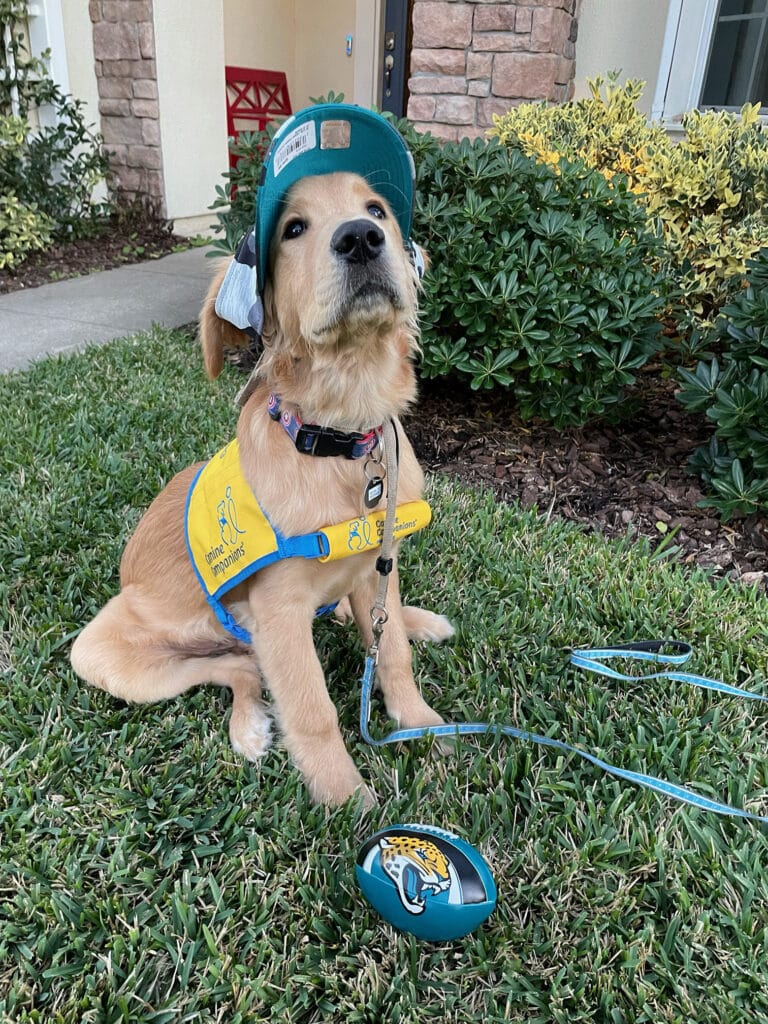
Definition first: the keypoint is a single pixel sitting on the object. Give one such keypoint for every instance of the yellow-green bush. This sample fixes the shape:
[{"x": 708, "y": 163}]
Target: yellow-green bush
[
  {"x": 709, "y": 191},
  {"x": 23, "y": 227}
]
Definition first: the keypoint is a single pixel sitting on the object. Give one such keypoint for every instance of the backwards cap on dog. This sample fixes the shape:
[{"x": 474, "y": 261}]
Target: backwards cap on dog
[{"x": 322, "y": 139}]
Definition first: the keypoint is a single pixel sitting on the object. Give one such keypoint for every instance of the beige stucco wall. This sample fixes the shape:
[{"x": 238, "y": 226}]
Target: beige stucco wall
[
  {"x": 304, "y": 38},
  {"x": 261, "y": 34},
  {"x": 189, "y": 44},
  {"x": 78, "y": 40},
  {"x": 621, "y": 35}
]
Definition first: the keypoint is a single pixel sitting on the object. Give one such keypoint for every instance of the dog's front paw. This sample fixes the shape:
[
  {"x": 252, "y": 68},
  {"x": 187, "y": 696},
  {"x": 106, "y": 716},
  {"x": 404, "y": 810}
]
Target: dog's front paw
[
  {"x": 343, "y": 611},
  {"x": 250, "y": 733},
  {"x": 330, "y": 773},
  {"x": 421, "y": 624},
  {"x": 419, "y": 717},
  {"x": 338, "y": 790},
  {"x": 423, "y": 718}
]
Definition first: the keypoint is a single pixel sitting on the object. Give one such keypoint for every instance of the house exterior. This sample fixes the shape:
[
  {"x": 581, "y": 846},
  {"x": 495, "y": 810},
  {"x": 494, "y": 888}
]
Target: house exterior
[{"x": 151, "y": 72}]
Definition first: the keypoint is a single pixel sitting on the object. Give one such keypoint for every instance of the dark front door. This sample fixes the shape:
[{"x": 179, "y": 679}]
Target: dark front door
[{"x": 394, "y": 60}]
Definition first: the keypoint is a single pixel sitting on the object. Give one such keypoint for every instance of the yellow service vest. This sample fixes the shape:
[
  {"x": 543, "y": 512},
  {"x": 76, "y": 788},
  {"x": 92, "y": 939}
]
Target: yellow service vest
[{"x": 229, "y": 537}]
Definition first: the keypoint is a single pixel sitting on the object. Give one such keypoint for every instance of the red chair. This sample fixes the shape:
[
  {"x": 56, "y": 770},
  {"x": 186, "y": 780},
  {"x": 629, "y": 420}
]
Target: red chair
[{"x": 254, "y": 97}]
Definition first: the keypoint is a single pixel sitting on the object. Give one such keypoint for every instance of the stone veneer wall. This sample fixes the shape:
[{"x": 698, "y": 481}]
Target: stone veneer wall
[
  {"x": 124, "y": 50},
  {"x": 471, "y": 60}
]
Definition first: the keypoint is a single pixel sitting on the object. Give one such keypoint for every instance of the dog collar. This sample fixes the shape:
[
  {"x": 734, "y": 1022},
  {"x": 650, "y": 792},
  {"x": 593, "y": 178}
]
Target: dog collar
[{"x": 311, "y": 439}]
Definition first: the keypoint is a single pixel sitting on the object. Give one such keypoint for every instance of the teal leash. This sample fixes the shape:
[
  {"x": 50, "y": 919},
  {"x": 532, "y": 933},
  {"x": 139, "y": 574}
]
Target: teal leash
[{"x": 591, "y": 659}]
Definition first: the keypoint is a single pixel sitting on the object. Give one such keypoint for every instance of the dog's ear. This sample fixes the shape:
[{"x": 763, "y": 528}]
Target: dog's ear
[
  {"x": 270, "y": 325},
  {"x": 217, "y": 334}
]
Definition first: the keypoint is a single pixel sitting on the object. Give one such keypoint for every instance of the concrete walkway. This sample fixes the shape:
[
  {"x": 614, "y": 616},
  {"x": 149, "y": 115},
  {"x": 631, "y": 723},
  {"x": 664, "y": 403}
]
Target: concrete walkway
[{"x": 67, "y": 315}]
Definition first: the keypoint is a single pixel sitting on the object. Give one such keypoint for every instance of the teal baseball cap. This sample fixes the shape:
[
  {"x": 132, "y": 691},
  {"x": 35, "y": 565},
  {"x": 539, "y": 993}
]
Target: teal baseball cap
[{"x": 323, "y": 139}]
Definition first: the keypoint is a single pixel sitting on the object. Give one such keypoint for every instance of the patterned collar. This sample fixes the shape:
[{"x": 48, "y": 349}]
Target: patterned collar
[{"x": 311, "y": 439}]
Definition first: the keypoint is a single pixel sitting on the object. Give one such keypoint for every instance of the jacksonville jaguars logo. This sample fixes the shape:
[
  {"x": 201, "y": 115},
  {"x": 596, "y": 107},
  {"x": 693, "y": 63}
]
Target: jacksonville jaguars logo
[{"x": 416, "y": 868}]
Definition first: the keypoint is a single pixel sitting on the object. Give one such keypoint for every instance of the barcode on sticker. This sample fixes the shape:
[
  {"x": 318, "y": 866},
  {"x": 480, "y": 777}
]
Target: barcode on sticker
[{"x": 299, "y": 141}]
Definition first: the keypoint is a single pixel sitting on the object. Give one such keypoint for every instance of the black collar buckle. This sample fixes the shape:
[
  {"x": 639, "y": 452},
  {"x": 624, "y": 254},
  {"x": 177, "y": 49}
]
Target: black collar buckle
[{"x": 326, "y": 442}]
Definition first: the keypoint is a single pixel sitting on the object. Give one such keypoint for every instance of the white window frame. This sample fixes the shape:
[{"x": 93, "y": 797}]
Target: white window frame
[
  {"x": 684, "y": 58},
  {"x": 46, "y": 32},
  {"x": 9, "y": 62}
]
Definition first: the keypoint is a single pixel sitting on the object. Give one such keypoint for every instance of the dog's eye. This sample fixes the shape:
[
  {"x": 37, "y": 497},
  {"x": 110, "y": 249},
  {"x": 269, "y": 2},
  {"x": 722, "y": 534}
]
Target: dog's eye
[
  {"x": 376, "y": 211},
  {"x": 294, "y": 228}
]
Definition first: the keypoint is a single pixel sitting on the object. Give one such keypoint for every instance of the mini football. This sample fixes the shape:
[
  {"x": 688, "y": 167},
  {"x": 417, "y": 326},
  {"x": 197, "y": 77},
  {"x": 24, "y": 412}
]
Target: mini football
[{"x": 426, "y": 881}]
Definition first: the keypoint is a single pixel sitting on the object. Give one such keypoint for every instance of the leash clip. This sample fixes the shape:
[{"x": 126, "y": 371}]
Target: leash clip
[{"x": 379, "y": 617}]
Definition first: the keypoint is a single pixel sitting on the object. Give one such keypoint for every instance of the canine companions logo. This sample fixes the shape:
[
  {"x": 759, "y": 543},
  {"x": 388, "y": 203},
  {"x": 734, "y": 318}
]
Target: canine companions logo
[
  {"x": 227, "y": 511},
  {"x": 218, "y": 557},
  {"x": 359, "y": 535}
]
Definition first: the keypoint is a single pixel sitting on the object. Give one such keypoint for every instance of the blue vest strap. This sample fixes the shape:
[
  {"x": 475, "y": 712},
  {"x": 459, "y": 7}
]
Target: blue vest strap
[{"x": 307, "y": 545}]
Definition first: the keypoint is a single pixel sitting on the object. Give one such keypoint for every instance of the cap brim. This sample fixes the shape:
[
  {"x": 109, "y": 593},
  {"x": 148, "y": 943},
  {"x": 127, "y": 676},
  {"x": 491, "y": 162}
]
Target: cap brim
[{"x": 324, "y": 139}]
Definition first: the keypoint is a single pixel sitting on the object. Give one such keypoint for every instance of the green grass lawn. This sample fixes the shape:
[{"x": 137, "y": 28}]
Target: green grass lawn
[{"x": 148, "y": 874}]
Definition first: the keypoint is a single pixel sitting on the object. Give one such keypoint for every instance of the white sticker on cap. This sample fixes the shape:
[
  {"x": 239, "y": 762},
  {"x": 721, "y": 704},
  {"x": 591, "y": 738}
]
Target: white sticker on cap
[{"x": 299, "y": 141}]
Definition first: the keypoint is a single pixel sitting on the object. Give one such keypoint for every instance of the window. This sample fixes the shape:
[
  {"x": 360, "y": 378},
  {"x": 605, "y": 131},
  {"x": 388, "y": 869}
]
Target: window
[
  {"x": 715, "y": 54},
  {"x": 737, "y": 72}
]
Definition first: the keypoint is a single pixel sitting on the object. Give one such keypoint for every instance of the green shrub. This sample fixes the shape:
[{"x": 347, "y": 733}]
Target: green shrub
[
  {"x": 58, "y": 168},
  {"x": 235, "y": 200},
  {"x": 709, "y": 191},
  {"x": 539, "y": 280},
  {"x": 52, "y": 169},
  {"x": 733, "y": 392}
]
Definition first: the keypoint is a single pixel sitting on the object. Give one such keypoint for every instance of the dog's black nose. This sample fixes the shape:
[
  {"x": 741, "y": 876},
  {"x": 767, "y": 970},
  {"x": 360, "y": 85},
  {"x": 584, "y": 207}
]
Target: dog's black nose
[{"x": 358, "y": 241}]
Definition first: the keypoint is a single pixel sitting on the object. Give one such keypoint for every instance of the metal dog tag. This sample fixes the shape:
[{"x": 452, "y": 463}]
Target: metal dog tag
[{"x": 373, "y": 492}]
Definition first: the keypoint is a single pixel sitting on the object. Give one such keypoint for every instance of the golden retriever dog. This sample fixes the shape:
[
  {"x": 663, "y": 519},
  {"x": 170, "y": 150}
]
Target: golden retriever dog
[{"x": 340, "y": 333}]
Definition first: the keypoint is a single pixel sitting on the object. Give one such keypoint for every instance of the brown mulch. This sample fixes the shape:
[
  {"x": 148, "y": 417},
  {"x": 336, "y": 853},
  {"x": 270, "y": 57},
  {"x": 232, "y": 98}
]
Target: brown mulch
[
  {"x": 120, "y": 243},
  {"x": 628, "y": 478}
]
